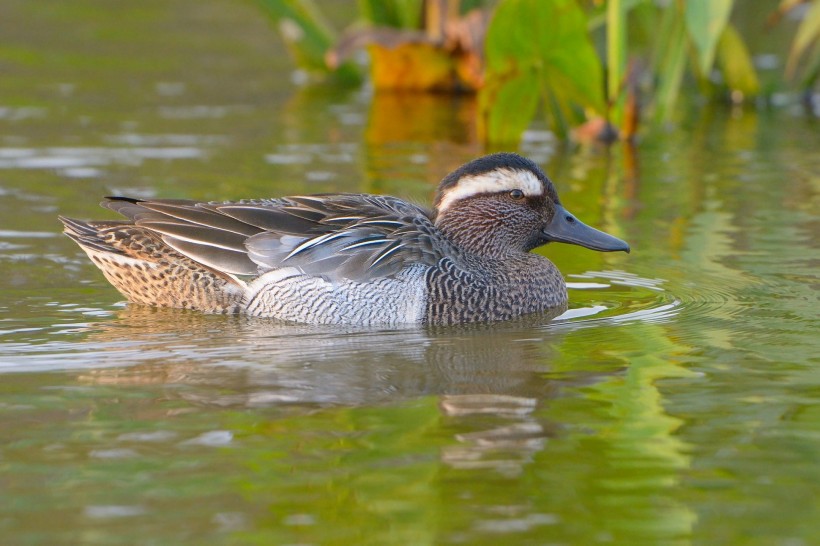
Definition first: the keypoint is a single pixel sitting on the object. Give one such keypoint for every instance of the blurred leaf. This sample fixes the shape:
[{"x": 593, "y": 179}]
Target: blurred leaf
[
  {"x": 600, "y": 19},
  {"x": 784, "y": 7},
  {"x": 466, "y": 35},
  {"x": 537, "y": 48},
  {"x": 811, "y": 72},
  {"x": 303, "y": 29},
  {"x": 308, "y": 37},
  {"x": 705, "y": 21},
  {"x": 616, "y": 56},
  {"x": 413, "y": 60},
  {"x": 737, "y": 66},
  {"x": 508, "y": 107},
  {"x": 392, "y": 13},
  {"x": 807, "y": 33},
  {"x": 671, "y": 64},
  {"x": 411, "y": 66}
]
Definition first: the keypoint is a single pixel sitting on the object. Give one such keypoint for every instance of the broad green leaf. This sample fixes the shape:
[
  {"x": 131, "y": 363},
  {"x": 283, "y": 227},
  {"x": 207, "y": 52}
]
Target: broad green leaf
[
  {"x": 507, "y": 108},
  {"x": 705, "y": 21},
  {"x": 807, "y": 33},
  {"x": 734, "y": 60},
  {"x": 533, "y": 45}
]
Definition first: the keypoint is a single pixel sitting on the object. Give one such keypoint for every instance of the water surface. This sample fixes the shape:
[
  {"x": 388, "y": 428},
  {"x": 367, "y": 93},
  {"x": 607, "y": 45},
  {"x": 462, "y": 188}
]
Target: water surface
[{"x": 675, "y": 403}]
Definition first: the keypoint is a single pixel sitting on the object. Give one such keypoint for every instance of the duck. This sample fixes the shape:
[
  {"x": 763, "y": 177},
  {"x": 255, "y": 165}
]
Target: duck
[{"x": 350, "y": 258}]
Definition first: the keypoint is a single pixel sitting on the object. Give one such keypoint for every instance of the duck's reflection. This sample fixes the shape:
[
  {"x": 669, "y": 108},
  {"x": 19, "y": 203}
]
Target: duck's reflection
[
  {"x": 261, "y": 362},
  {"x": 505, "y": 446},
  {"x": 490, "y": 379}
]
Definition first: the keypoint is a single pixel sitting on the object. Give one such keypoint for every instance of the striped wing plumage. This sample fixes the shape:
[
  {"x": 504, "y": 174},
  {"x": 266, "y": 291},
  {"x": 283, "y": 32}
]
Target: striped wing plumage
[{"x": 350, "y": 236}]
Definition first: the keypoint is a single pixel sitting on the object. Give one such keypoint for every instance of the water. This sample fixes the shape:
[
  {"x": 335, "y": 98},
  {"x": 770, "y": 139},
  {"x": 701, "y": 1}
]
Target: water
[{"x": 675, "y": 403}]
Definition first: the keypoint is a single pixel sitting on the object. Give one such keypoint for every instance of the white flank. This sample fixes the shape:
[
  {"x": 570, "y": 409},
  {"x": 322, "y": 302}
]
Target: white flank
[
  {"x": 289, "y": 294},
  {"x": 492, "y": 182}
]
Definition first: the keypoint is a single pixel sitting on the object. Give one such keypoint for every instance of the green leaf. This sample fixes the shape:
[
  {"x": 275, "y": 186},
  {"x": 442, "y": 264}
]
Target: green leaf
[
  {"x": 308, "y": 37},
  {"x": 671, "y": 64},
  {"x": 534, "y": 46},
  {"x": 736, "y": 64},
  {"x": 392, "y": 13},
  {"x": 616, "y": 55},
  {"x": 303, "y": 30},
  {"x": 807, "y": 33},
  {"x": 508, "y": 107},
  {"x": 598, "y": 20},
  {"x": 811, "y": 71},
  {"x": 705, "y": 21}
]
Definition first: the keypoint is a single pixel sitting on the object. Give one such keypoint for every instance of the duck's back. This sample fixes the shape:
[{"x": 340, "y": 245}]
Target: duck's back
[{"x": 335, "y": 259}]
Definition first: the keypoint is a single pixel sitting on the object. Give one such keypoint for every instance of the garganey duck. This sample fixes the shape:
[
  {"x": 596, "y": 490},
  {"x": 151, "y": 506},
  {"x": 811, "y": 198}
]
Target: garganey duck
[{"x": 354, "y": 259}]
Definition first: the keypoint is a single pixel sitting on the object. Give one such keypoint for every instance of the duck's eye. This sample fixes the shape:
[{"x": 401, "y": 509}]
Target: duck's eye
[{"x": 517, "y": 194}]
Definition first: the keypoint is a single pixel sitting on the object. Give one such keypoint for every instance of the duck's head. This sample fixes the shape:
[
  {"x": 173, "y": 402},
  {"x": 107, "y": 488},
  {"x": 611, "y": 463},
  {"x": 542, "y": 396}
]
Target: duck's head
[{"x": 504, "y": 202}]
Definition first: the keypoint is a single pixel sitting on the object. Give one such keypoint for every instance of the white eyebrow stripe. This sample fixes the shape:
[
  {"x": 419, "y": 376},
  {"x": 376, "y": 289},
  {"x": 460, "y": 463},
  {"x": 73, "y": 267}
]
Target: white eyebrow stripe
[{"x": 492, "y": 182}]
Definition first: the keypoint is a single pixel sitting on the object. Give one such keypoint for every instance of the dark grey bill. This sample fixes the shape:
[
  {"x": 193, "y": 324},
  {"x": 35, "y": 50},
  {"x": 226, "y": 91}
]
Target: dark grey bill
[{"x": 566, "y": 228}]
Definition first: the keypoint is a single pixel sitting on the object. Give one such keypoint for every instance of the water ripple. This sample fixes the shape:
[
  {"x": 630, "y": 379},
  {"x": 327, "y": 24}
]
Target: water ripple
[
  {"x": 617, "y": 297},
  {"x": 87, "y": 157},
  {"x": 82, "y": 336}
]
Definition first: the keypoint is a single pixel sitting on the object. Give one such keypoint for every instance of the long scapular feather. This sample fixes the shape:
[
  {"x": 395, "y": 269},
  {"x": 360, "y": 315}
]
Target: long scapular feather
[
  {"x": 203, "y": 217},
  {"x": 392, "y": 249},
  {"x": 311, "y": 243},
  {"x": 198, "y": 234},
  {"x": 382, "y": 223},
  {"x": 221, "y": 259},
  {"x": 369, "y": 242}
]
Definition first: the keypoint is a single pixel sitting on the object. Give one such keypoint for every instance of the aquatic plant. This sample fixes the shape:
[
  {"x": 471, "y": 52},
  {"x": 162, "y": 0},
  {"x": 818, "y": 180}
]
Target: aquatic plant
[{"x": 607, "y": 63}]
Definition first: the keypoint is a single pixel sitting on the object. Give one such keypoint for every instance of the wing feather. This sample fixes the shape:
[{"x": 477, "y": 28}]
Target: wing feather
[
  {"x": 197, "y": 214},
  {"x": 220, "y": 259},
  {"x": 350, "y": 236}
]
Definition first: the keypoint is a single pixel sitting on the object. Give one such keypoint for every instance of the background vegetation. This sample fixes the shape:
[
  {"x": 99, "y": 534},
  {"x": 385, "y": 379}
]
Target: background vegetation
[{"x": 613, "y": 65}]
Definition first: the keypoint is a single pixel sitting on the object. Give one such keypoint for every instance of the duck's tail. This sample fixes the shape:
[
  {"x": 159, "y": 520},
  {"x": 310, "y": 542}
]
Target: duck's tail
[{"x": 147, "y": 271}]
